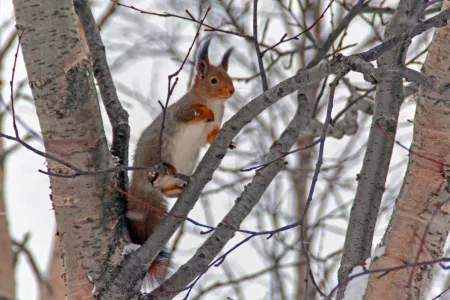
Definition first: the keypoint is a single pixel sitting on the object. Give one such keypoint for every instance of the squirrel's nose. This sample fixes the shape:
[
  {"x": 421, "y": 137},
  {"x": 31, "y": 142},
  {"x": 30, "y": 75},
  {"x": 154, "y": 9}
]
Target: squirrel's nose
[{"x": 231, "y": 90}]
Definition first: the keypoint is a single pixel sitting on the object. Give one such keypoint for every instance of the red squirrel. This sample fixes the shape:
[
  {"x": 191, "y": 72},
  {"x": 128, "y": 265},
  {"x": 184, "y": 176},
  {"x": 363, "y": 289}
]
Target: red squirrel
[{"x": 190, "y": 123}]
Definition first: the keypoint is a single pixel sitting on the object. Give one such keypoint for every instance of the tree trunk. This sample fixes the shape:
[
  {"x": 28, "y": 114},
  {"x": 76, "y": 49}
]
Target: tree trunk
[
  {"x": 422, "y": 208},
  {"x": 61, "y": 80},
  {"x": 301, "y": 183},
  {"x": 56, "y": 289},
  {"x": 372, "y": 179},
  {"x": 302, "y": 180},
  {"x": 7, "y": 283}
]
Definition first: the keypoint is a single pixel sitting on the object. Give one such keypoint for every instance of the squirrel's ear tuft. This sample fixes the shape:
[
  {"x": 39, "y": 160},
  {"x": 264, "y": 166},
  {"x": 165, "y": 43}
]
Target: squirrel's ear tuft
[
  {"x": 225, "y": 58},
  {"x": 202, "y": 58}
]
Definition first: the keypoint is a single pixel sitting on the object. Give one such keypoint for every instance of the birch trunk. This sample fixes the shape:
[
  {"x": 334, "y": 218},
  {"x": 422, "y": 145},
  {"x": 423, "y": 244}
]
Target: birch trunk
[
  {"x": 56, "y": 289},
  {"x": 7, "y": 283},
  {"x": 372, "y": 178},
  {"x": 422, "y": 208},
  {"x": 67, "y": 105},
  {"x": 302, "y": 185}
]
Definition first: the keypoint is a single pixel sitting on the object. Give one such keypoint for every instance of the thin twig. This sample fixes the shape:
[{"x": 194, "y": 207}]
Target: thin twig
[
  {"x": 295, "y": 37},
  {"x": 259, "y": 56},
  {"x": 386, "y": 271},
  {"x": 190, "y": 18},
  {"x": 171, "y": 87},
  {"x": 315, "y": 177},
  {"x": 422, "y": 242},
  {"x": 31, "y": 260},
  {"x": 11, "y": 82}
]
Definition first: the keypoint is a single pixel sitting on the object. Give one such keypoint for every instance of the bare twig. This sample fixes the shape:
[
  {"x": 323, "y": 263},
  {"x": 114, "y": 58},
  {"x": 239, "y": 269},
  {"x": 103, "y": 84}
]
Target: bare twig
[
  {"x": 259, "y": 56},
  {"x": 323, "y": 50},
  {"x": 22, "y": 249},
  {"x": 171, "y": 87},
  {"x": 385, "y": 271},
  {"x": 295, "y": 37},
  {"x": 315, "y": 177},
  {"x": 11, "y": 82},
  {"x": 190, "y": 18}
]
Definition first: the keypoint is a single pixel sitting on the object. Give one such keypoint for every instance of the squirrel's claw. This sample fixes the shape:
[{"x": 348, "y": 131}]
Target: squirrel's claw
[
  {"x": 152, "y": 177},
  {"x": 195, "y": 113},
  {"x": 232, "y": 145}
]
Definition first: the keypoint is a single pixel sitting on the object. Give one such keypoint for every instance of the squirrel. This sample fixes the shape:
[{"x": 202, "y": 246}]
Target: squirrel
[{"x": 190, "y": 123}]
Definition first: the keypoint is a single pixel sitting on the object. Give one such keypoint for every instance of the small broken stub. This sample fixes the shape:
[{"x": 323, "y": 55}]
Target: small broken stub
[{"x": 130, "y": 248}]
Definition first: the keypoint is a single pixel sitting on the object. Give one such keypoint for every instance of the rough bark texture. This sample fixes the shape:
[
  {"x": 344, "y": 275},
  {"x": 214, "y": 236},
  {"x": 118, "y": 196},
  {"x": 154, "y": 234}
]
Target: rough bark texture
[
  {"x": 7, "y": 283},
  {"x": 422, "y": 207},
  {"x": 61, "y": 79},
  {"x": 56, "y": 289},
  {"x": 372, "y": 179},
  {"x": 117, "y": 115}
]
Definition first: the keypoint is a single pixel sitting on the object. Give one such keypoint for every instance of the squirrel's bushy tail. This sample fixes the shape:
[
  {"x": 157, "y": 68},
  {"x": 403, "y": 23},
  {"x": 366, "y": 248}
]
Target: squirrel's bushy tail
[
  {"x": 157, "y": 272},
  {"x": 145, "y": 208}
]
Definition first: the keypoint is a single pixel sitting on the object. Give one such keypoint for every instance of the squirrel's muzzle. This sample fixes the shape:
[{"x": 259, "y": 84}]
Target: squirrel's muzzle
[{"x": 225, "y": 93}]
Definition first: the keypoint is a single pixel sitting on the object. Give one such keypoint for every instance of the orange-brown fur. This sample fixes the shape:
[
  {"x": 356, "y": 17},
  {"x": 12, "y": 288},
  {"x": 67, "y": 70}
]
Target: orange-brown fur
[
  {"x": 212, "y": 135},
  {"x": 204, "y": 113}
]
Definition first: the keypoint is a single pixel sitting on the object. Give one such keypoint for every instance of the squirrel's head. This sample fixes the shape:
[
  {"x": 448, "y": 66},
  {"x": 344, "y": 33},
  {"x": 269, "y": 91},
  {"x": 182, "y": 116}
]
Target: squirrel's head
[{"x": 212, "y": 82}]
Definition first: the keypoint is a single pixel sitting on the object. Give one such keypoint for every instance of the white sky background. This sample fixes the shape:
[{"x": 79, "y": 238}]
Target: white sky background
[{"x": 27, "y": 192}]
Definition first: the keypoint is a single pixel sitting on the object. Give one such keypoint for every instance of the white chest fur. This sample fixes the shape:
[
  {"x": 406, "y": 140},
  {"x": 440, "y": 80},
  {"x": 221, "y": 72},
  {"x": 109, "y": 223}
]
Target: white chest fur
[
  {"x": 188, "y": 142},
  {"x": 191, "y": 138},
  {"x": 217, "y": 107}
]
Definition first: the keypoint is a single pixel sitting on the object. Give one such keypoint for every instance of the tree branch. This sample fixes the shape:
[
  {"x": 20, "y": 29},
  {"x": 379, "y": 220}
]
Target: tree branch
[
  {"x": 372, "y": 179},
  {"x": 134, "y": 268},
  {"x": 118, "y": 116},
  {"x": 201, "y": 261}
]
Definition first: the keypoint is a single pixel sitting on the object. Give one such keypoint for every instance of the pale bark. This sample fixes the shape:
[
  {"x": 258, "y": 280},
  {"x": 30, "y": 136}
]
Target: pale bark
[
  {"x": 55, "y": 289},
  {"x": 7, "y": 282},
  {"x": 372, "y": 179},
  {"x": 301, "y": 187},
  {"x": 422, "y": 208},
  {"x": 118, "y": 117},
  {"x": 61, "y": 79}
]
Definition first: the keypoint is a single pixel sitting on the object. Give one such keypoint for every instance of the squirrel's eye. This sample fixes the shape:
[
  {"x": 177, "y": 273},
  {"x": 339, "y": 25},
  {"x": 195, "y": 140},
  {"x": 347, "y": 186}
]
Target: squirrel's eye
[{"x": 213, "y": 81}]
